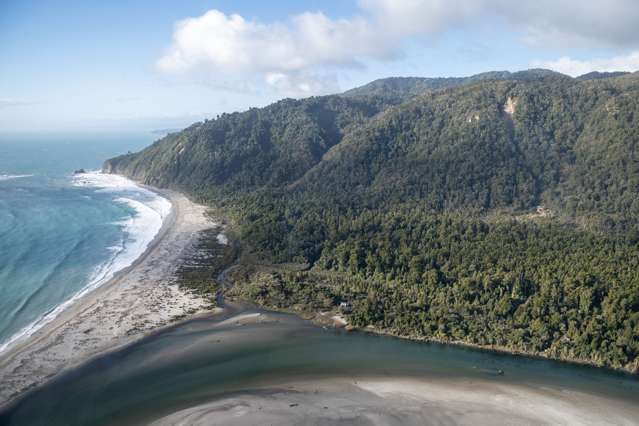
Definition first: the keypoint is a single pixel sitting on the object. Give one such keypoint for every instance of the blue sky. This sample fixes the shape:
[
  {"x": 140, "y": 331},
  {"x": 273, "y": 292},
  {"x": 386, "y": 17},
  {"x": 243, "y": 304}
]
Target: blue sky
[{"x": 139, "y": 65}]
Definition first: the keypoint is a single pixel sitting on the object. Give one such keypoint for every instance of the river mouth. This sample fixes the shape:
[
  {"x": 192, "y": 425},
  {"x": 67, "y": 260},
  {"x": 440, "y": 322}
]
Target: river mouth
[{"x": 249, "y": 365}]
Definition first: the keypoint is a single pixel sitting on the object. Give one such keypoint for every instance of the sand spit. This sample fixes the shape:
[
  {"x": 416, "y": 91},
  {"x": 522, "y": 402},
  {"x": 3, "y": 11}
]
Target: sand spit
[
  {"x": 137, "y": 300},
  {"x": 402, "y": 401},
  {"x": 296, "y": 377}
]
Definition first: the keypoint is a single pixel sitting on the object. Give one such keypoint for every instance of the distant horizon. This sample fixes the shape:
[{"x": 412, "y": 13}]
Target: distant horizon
[
  {"x": 70, "y": 65},
  {"x": 319, "y": 211},
  {"x": 175, "y": 124}
]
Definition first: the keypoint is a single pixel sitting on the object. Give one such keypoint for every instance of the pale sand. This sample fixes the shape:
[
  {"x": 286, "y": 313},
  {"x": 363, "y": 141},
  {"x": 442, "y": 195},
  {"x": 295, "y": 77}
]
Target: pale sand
[
  {"x": 401, "y": 401},
  {"x": 396, "y": 400},
  {"x": 139, "y": 299}
]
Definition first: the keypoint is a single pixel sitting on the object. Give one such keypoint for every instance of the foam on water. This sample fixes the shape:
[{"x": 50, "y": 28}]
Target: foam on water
[
  {"x": 139, "y": 230},
  {"x": 10, "y": 177}
]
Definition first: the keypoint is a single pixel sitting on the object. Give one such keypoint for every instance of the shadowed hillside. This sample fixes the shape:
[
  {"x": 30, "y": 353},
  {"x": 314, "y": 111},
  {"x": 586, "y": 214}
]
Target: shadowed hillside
[{"x": 498, "y": 210}]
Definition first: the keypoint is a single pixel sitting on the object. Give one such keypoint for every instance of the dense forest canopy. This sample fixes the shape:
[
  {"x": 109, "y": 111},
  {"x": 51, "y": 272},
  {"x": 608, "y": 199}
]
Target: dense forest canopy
[{"x": 499, "y": 209}]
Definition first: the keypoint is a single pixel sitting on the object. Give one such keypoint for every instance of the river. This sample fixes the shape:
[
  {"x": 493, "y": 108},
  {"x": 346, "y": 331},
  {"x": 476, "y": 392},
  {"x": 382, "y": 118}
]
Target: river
[{"x": 250, "y": 366}]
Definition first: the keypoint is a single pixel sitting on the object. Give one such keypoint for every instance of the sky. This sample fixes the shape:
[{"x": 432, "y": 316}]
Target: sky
[{"x": 145, "y": 65}]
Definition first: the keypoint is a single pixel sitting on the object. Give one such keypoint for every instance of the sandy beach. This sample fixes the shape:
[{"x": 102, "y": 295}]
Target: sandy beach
[
  {"x": 390, "y": 398},
  {"x": 401, "y": 401},
  {"x": 335, "y": 387},
  {"x": 247, "y": 367},
  {"x": 139, "y": 299}
]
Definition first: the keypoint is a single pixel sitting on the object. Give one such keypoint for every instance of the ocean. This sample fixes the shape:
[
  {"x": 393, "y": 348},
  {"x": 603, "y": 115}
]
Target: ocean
[{"x": 62, "y": 235}]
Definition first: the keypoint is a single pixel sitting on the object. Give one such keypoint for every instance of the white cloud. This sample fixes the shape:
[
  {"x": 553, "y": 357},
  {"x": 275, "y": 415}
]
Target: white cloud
[
  {"x": 610, "y": 22},
  {"x": 569, "y": 22},
  {"x": 301, "y": 84},
  {"x": 228, "y": 43},
  {"x": 300, "y": 56},
  {"x": 285, "y": 55},
  {"x": 406, "y": 17},
  {"x": 575, "y": 68}
]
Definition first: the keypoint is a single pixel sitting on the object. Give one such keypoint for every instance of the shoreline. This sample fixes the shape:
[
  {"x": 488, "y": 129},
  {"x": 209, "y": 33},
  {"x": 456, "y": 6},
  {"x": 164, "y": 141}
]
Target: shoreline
[
  {"x": 341, "y": 391},
  {"x": 388, "y": 395},
  {"x": 31, "y": 377},
  {"x": 167, "y": 222},
  {"x": 138, "y": 300},
  {"x": 499, "y": 350},
  {"x": 401, "y": 400},
  {"x": 336, "y": 320}
]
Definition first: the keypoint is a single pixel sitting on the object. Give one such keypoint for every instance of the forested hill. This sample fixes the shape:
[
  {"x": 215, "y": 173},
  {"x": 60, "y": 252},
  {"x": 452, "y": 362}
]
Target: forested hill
[
  {"x": 500, "y": 210},
  {"x": 398, "y": 89},
  {"x": 493, "y": 141},
  {"x": 270, "y": 146},
  {"x": 569, "y": 145}
]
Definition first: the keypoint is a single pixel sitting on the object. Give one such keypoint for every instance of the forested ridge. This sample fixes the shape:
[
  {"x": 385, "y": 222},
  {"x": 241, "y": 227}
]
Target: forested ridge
[{"x": 499, "y": 210}]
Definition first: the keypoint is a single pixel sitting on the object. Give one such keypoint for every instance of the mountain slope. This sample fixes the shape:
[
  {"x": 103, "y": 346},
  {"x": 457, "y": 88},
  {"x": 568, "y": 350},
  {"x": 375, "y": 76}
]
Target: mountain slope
[
  {"x": 492, "y": 140},
  {"x": 395, "y": 90},
  {"x": 497, "y": 140},
  {"x": 497, "y": 144},
  {"x": 270, "y": 146},
  {"x": 599, "y": 75},
  {"x": 415, "y": 203}
]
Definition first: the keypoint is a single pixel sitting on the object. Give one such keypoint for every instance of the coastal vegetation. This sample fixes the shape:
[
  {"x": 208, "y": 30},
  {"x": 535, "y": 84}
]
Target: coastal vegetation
[
  {"x": 499, "y": 210},
  {"x": 199, "y": 267}
]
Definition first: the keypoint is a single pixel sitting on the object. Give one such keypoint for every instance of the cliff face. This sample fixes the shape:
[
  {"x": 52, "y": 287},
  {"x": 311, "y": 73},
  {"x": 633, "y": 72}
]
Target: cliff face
[
  {"x": 109, "y": 166},
  {"x": 121, "y": 166}
]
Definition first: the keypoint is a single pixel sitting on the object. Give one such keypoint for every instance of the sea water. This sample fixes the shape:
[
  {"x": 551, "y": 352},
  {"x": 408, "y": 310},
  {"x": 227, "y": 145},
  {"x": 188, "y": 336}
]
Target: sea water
[{"x": 64, "y": 234}]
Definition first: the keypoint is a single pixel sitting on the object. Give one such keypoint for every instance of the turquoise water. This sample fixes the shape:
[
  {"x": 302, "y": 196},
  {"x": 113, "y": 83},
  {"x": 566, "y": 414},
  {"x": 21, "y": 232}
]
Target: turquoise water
[
  {"x": 59, "y": 233},
  {"x": 203, "y": 359}
]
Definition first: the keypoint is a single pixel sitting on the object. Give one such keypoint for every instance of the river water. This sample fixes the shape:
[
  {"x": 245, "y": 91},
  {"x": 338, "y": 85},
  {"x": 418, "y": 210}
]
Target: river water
[{"x": 207, "y": 359}]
